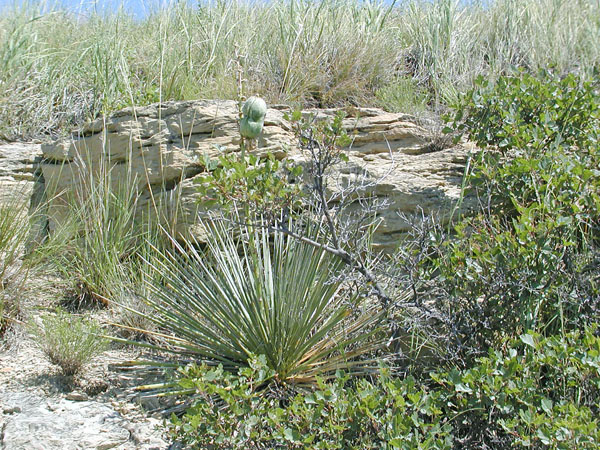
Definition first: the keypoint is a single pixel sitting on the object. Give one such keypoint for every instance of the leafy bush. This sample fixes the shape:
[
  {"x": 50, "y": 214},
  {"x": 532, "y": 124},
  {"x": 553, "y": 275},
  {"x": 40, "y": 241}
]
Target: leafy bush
[
  {"x": 526, "y": 259},
  {"x": 236, "y": 412},
  {"x": 524, "y": 112},
  {"x": 257, "y": 186},
  {"x": 540, "y": 393},
  {"x": 68, "y": 341},
  {"x": 256, "y": 293},
  {"x": 540, "y": 139}
]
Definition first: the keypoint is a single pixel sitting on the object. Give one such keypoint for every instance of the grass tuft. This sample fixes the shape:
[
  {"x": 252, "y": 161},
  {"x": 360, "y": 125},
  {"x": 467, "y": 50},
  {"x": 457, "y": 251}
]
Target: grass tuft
[
  {"x": 69, "y": 342},
  {"x": 14, "y": 228}
]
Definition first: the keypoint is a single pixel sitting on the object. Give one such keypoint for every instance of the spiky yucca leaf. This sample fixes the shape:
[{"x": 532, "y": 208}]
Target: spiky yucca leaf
[{"x": 262, "y": 294}]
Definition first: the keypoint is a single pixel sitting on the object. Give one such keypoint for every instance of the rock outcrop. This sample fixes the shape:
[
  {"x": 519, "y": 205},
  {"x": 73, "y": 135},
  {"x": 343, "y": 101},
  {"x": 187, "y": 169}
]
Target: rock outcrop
[
  {"x": 18, "y": 169},
  {"x": 161, "y": 148},
  {"x": 30, "y": 421}
]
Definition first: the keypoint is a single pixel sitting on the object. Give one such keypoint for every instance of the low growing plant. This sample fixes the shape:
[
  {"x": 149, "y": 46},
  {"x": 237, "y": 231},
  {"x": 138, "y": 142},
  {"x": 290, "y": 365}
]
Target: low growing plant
[
  {"x": 539, "y": 393},
  {"x": 69, "y": 342},
  {"x": 237, "y": 412}
]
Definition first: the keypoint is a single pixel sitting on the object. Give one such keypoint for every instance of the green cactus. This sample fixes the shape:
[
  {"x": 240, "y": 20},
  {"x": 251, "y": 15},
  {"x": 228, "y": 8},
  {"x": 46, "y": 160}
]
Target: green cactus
[{"x": 253, "y": 111}]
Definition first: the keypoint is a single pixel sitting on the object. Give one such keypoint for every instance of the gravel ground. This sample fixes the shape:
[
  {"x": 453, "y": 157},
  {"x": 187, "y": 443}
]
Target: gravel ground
[{"x": 42, "y": 409}]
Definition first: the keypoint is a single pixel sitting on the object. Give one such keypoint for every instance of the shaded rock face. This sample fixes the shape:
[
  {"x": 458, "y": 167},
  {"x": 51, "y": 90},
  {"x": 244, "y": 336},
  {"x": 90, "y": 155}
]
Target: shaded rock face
[
  {"x": 162, "y": 148},
  {"x": 22, "y": 183}
]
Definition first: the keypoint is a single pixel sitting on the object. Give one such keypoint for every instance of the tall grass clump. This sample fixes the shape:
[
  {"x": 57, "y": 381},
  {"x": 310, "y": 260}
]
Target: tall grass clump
[
  {"x": 14, "y": 226},
  {"x": 100, "y": 232},
  {"x": 58, "y": 69},
  {"x": 449, "y": 43},
  {"x": 95, "y": 240}
]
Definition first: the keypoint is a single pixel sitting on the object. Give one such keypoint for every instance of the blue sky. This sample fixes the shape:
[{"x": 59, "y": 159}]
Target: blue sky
[{"x": 136, "y": 7}]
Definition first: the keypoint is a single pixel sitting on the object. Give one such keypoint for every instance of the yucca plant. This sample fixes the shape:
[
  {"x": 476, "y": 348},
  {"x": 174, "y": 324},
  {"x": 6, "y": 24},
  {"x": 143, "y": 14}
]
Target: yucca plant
[{"x": 254, "y": 293}]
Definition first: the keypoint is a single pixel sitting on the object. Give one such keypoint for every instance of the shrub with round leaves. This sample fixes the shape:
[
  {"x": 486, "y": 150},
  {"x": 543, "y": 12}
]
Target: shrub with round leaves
[{"x": 538, "y": 393}]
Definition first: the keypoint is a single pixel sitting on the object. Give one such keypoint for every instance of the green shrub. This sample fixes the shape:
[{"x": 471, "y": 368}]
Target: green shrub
[
  {"x": 540, "y": 393},
  {"x": 530, "y": 114},
  {"x": 525, "y": 260},
  {"x": 69, "y": 341},
  {"x": 257, "y": 186},
  {"x": 235, "y": 412},
  {"x": 540, "y": 149}
]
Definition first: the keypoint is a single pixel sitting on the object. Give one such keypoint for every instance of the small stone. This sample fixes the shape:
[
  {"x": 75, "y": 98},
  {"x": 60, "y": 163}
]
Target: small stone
[
  {"x": 107, "y": 445},
  {"x": 96, "y": 387},
  {"x": 77, "y": 397},
  {"x": 11, "y": 410},
  {"x": 50, "y": 406}
]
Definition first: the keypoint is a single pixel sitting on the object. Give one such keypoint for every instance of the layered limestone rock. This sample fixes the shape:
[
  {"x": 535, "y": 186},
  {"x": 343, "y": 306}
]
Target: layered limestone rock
[
  {"x": 18, "y": 169},
  {"x": 162, "y": 149},
  {"x": 32, "y": 421}
]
